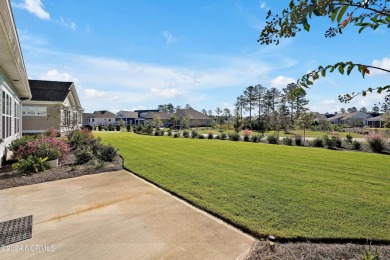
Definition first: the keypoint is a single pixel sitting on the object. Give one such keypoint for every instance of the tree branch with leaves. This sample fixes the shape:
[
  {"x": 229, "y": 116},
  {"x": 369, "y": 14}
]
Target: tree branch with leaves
[{"x": 370, "y": 14}]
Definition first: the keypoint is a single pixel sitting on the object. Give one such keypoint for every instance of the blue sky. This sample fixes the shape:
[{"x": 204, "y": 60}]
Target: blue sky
[{"x": 126, "y": 55}]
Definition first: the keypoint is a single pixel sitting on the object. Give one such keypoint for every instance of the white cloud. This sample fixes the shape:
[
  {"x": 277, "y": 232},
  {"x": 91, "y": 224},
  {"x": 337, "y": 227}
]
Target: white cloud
[
  {"x": 57, "y": 76},
  {"x": 169, "y": 38},
  {"x": 263, "y": 5},
  {"x": 384, "y": 64},
  {"x": 281, "y": 82},
  {"x": 35, "y": 7},
  {"x": 165, "y": 92},
  {"x": 68, "y": 24}
]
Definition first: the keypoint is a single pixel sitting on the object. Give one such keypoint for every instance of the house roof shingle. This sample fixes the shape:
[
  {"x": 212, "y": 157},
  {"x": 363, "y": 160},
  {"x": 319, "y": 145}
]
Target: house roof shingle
[
  {"x": 162, "y": 115},
  {"x": 103, "y": 114},
  {"x": 128, "y": 114},
  {"x": 192, "y": 114},
  {"x": 43, "y": 90}
]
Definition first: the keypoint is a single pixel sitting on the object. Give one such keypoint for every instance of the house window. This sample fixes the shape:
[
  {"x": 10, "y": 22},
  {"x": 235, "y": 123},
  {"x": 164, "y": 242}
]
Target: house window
[
  {"x": 9, "y": 115},
  {"x": 109, "y": 120},
  {"x": 34, "y": 111}
]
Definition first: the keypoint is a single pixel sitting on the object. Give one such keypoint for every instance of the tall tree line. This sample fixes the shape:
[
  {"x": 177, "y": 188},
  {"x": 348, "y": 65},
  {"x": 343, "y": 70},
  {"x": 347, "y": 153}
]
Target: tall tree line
[{"x": 275, "y": 109}]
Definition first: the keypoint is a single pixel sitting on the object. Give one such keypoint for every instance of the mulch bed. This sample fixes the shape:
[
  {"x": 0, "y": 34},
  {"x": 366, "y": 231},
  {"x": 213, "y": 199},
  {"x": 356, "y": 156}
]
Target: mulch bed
[
  {"x": 10, "y": 178},
  {"x": 314, "y": 251}
]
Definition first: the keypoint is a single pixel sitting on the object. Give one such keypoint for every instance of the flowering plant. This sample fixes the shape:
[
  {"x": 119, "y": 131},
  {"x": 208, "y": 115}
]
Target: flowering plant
[
  {"x": 247, "y": 132},
  {"x": 44, "y": 147}
]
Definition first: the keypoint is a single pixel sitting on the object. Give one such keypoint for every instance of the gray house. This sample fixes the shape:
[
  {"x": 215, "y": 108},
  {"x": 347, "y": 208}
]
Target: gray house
[{"x": 352, "y": 119}]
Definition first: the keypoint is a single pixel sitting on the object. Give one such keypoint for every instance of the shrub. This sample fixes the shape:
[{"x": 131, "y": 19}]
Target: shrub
[
  {"x": 349, "y": 138},
  {"x": 246, "y": 138},
  {"x": 329, "y": 142},
  {"x": 84, "y": 155},
  {"x": 98, "y": 164},
  {"x": 100, "y": 127},
  {"x": 338, "y": 142},
  {"x": 148, "y": 130},
  {"x": 30, "y": 164},
  {"x": 201, "y": 136},
  {"x": 272, "y": 139},
  {"x": 194, "y": 134},
  {"x": 169, "y": 132},
  {"x": 287, "y": 141},
  {"x": 128, "y": 128},
  {"x": 79, "y": 137},
  {"x": 139, "y": 129},
  {"x": 223, "y": 136},
  {"x": 356, "y": 145},
  {"x": 247, "y": 132},
  {"x": 298, "y": 140},
  {"x": 105, "y": 128},
  {"x": 176, "y": 135},
  {"x": 234, "y": 137},
  {"x": 44, "y": 147},
  {"x": 52, "y": 132},
  {"x": 106, "y": 153},
  {"x": 162, "y": 133},
  {"x": 210, "y": 135},
  {"x": 376, "y": 142},
  {"x": 317, "y": 142},
  {"x": 255, "y": 138},
  {"x": 157, "y": 133},
  {"x": 217, "y": 137},
  {"x": 15, "y": 144},
  {"x": 117, "y": 127},
  {"x": 186, "y": 134}
]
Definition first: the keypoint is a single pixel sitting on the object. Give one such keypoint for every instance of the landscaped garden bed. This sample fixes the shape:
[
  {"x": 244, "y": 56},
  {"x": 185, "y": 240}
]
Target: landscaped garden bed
[{"x": 81, "y": 154}]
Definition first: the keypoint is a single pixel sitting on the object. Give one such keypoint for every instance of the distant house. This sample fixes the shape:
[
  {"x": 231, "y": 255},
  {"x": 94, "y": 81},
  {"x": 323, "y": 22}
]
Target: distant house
[
  {"x": 54, "y": 104},
  {"x": 14, "y": 87},
  {"x": 376, "y": 122},
  {"x": 102, "y": 117},
  {"x": 195, "y": 118},
  {"x": 319, "y": 117},
  {"x": 142, "y": 113},
  {"x": 128, "y": 117},
  {"x": 351, "y": 119},
  {"x": 85, "y": 119},
  {"x": 164, "y": 117}
]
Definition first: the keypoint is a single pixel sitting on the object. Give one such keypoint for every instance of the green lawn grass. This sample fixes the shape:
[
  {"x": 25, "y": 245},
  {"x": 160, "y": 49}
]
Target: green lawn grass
[{"x": 286, "y": 191}]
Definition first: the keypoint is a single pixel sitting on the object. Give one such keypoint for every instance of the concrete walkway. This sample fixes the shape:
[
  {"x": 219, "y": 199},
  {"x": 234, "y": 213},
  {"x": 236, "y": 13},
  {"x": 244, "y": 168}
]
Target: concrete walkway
[{"x": 115, "y": 216}]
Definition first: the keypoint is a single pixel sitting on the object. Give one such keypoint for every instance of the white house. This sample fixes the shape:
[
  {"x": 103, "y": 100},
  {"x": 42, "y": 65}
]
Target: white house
[
  {"x": 103, "y": 118},
  {"x": 14, "y": 86}
]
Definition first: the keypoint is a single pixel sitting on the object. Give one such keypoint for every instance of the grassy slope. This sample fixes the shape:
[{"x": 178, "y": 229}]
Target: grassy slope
[{"x": 269, "y": 189}]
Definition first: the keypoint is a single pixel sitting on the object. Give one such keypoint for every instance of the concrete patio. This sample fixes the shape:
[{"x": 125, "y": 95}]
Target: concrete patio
[{"x": 115, "y": 215}]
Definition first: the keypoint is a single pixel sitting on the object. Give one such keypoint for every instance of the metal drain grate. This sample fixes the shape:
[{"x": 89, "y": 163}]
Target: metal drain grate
[{"x": 15, "y": 230}]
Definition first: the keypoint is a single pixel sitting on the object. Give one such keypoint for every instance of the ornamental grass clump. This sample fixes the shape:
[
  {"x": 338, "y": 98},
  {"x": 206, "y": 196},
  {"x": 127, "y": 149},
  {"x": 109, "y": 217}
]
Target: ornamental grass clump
[
  {"x": 376, "y": 142},
  {"x": 223, "y": 136}
]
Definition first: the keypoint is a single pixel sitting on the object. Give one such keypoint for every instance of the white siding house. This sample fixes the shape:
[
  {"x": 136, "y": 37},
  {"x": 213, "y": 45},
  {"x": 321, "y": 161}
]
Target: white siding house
[{"x": 14, "y": 85}]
